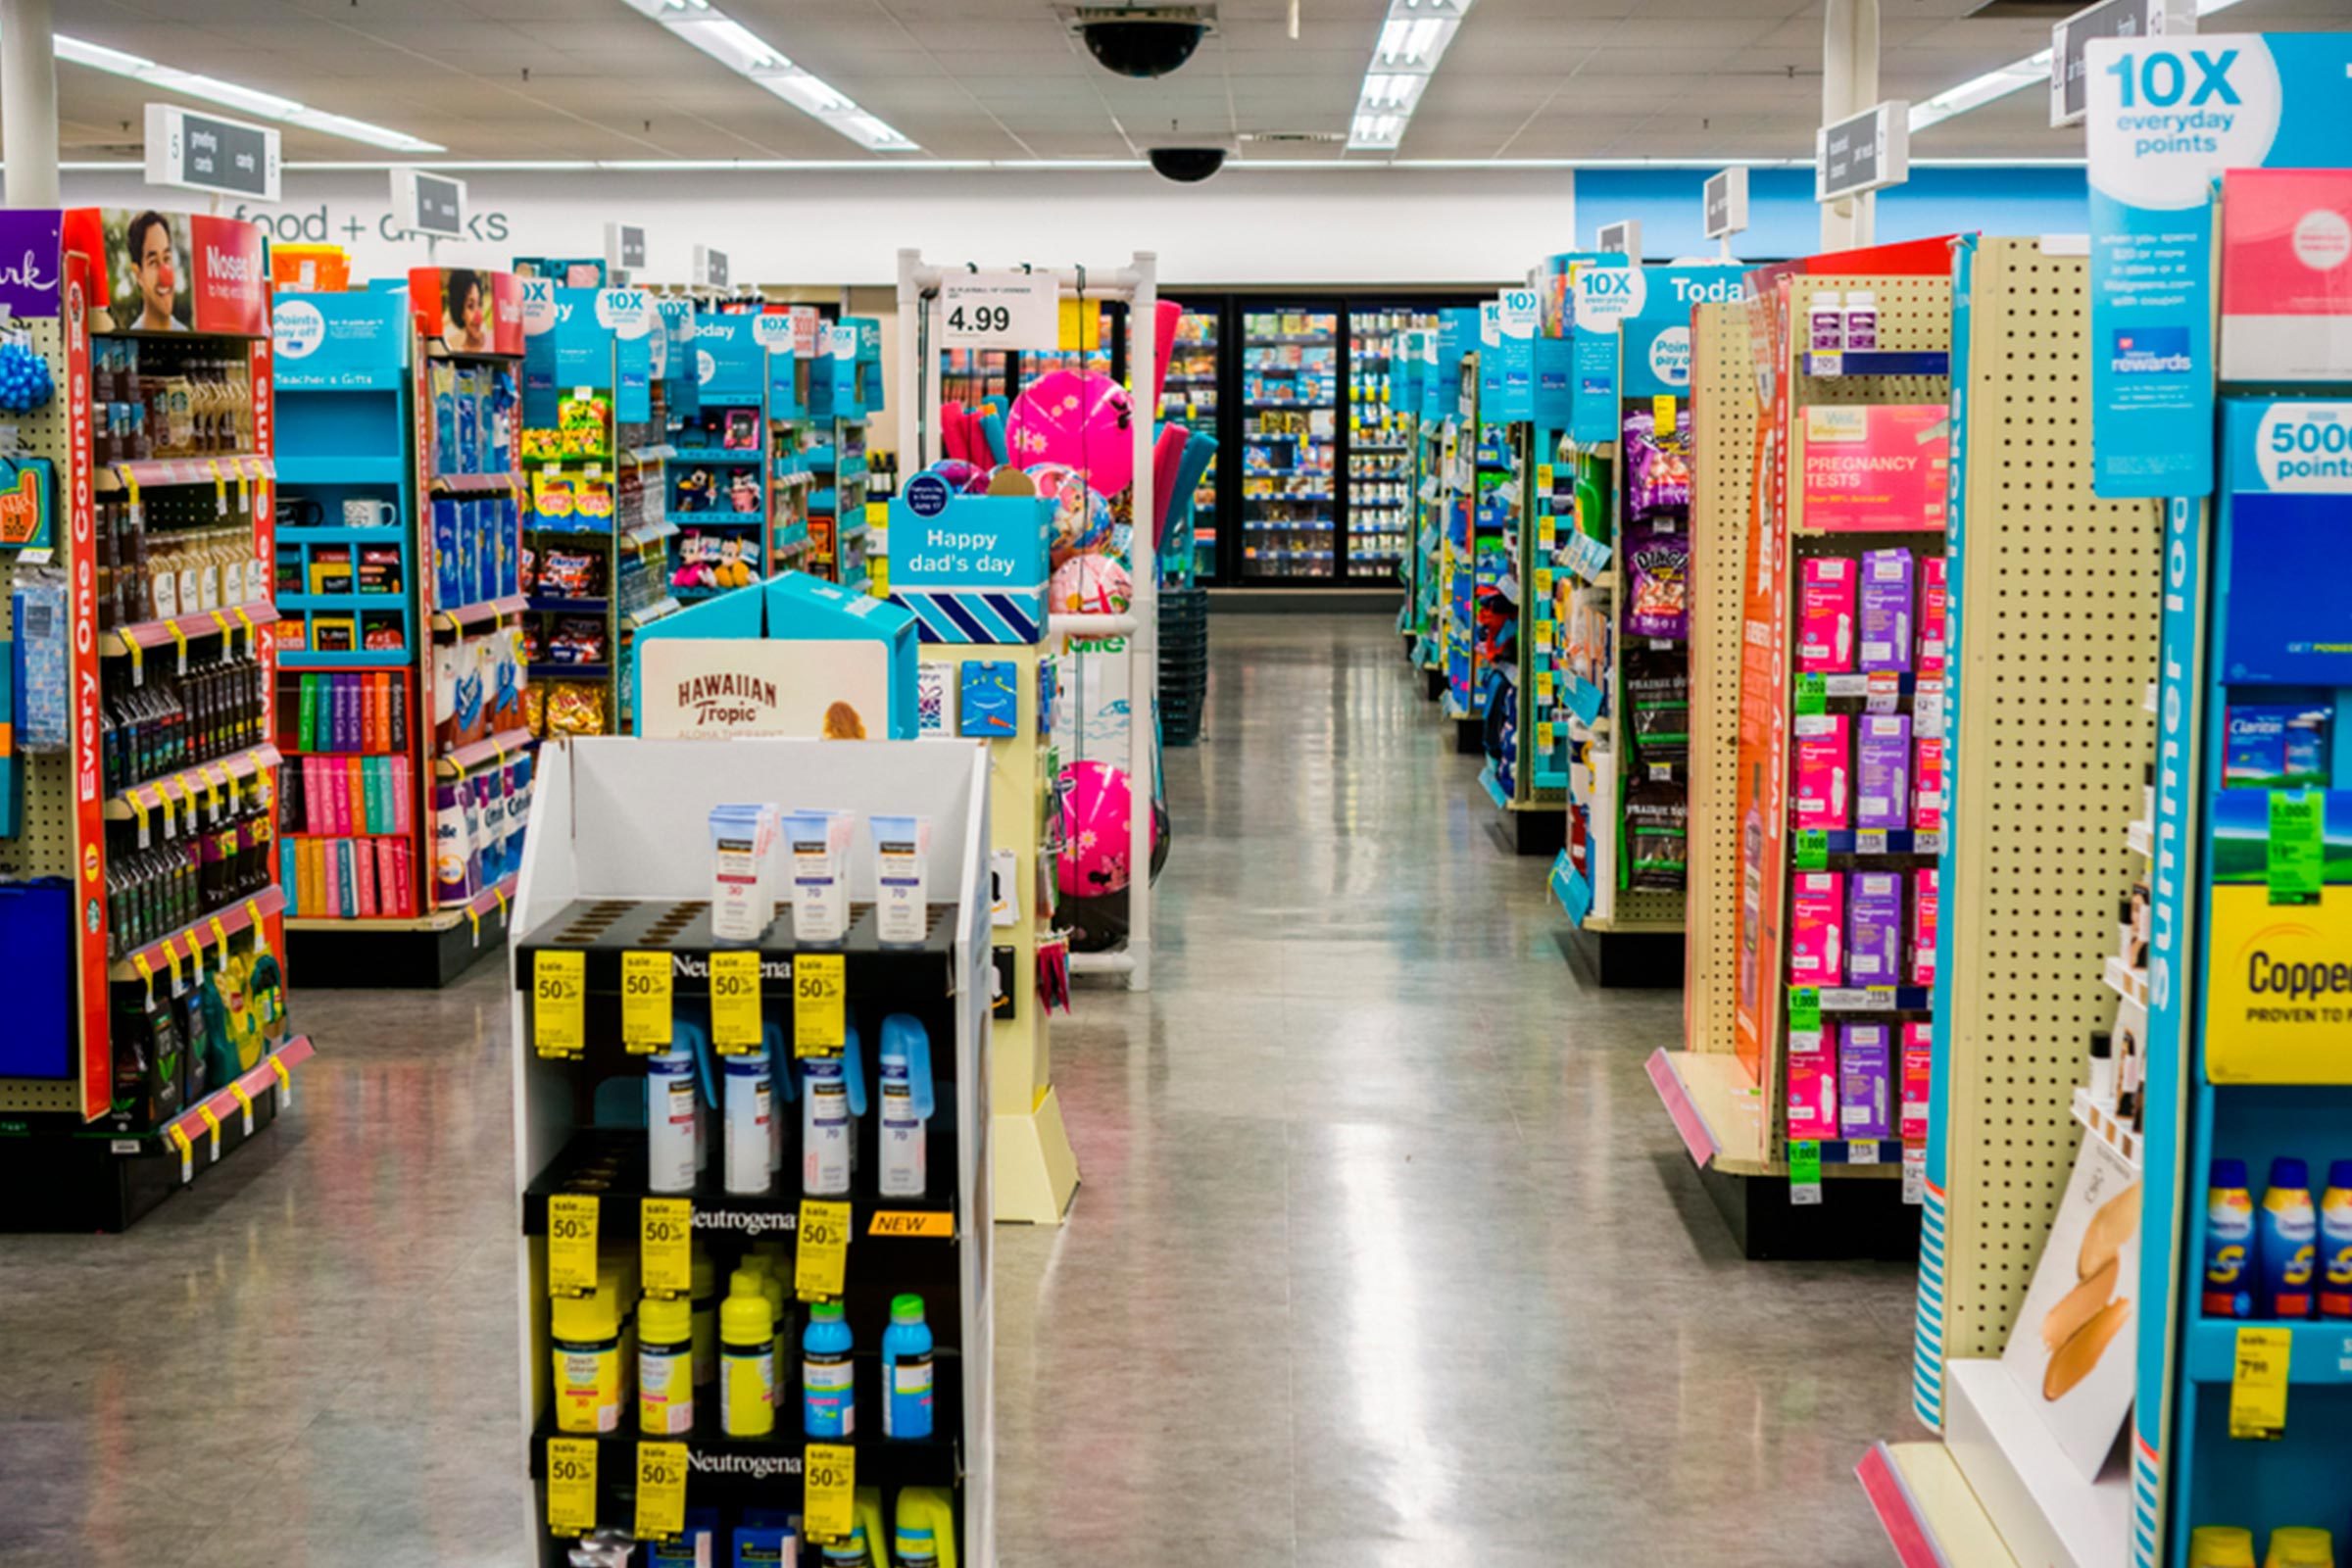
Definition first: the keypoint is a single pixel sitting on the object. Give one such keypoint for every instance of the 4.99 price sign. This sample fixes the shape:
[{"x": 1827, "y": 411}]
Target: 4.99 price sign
[{"x": 999, "y": 310}]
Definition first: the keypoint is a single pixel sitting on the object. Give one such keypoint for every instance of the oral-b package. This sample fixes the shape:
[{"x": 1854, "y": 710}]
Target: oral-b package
[
  {"x": 1817, "y": 928},
  {"x": 1883, "y": 770},
  {"x": 2266, "y": 745},
  {"x": 1865, "y": 1080},
  {"x": 1886, "y": 609},
  {"x": 1874, "y": 927},
  {"x": 1825, "y": 624},
  {"x": 1822, "y": 782}
]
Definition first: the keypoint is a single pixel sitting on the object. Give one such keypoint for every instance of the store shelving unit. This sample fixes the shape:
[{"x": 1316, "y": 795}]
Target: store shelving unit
[
  {"x": 612, "y": 877},
  {"x": 1380, "y": 443},
  {"x": 845, "y": 394},
  {"x": 106, "y": 1116}
]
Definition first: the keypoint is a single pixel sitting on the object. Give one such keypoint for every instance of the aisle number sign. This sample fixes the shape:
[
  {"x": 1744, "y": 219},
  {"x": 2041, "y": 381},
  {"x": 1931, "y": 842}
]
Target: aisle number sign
[
  {"x": 571, "y": 1486},
  {"x": 819, "y": 987},
  {"x": 735, "y": 1022},
  {"x": 999, "y": 310},
  {"x": 829, "y": 1490},
  {"x": 558, "y": 1004}
]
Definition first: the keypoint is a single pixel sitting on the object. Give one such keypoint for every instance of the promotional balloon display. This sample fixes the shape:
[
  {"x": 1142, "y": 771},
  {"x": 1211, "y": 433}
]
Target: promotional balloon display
[
  {"x": 1091, "y": 585},
  {"x": 1080, "y": 418}
]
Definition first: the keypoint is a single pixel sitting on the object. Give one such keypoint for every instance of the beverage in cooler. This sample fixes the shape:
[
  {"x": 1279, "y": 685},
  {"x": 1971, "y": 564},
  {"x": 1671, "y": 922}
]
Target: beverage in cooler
[
  {"x": 1290, "y": 442},
  {"x": 1188, "y": 397},
  {"x": 1380, "y": 452}
]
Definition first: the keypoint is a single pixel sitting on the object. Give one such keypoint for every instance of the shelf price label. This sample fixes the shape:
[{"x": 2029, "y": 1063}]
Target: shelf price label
[
  {"x": 2258, "y": 1383},
  {"x": 660, "y": 1490},
  {"x": 571, "y": 1486},
  {"x": 1812, "y": 692},
  {"x": 571, "y": 1227},
  {"x": 1804, "y": 1172},
  {"x": 735, "y": 1021},
  {"x": 820, "y": 1249},
  {"x": 1812, "y": 849},
  {"x": 819, "y": 987},
  {"x": 1804, "y": 1011},
  {"x": 559, "y": 1004},
  {"x": 644, "y": 1015},
  {"x": 829, "y": 1490},
  {"x": 2293, "y": 852},
  {"x": 664, "y": 1235}
]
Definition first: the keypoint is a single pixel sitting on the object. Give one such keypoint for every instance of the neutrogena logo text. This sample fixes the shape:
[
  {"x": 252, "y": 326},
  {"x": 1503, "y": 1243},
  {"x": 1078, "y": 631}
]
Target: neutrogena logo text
[{"x": 2150, "y": 351}]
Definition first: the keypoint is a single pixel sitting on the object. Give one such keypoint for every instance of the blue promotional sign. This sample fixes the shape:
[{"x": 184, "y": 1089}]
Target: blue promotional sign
[
  {"x": 2167, "y": 116},
  {"x": 974, "y": 571},
  {"x": 927, "y": 495},
  {"x": 354, "y": 342},
  {"x": 681, "y": 378},
  {"x": 628, "y": 314},
  {"x": 564, "y": 346},
  {"x": 729, "y": 361},
  {"x": 1656, "y": 338},
  {"x": 1602, "y": 291},
  {"x": 2288, "y": 464}
]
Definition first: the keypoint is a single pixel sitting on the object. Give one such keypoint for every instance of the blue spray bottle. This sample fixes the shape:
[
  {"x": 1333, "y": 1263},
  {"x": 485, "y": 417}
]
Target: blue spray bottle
[
  {"x": 832, "y": 1098},
  {"x": 829, "y": 1377},
  {"x": 907, "y": 1106},
  {"x": 906, "y": 1370},
  {"x": 2229, "y": 1241}
]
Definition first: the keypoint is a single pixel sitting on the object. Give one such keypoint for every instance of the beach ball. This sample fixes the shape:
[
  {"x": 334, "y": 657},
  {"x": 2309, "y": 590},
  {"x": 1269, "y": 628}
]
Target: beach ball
[
  {"x": 1096, "y": 799},
  {"x": 958, "y": 473},
  {"x": 1091, "y": 585},
  {"x": 1081, "y": 418}
]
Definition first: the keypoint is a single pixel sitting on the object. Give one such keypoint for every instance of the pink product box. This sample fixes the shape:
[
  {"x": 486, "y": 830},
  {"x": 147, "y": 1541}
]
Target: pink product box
[
  {"x": 1934, "y": 615},
  {"x": 1823, "y": 786},
  {"x": 1817, "y": 928},
  {"x": 1926, "y": 785},
  {"x": 2286, "y": 293},
  {"x": 1919, "y": 1069},
  {"x": 1812, "y": 1095},
  {"x": 1885, "y": 614},
  {"x": 1824, "y": 626},
  {"x": 1874, "y": 927},
  {"x": 1883, "y": 770},
  {"x": 1866, "y": 1080},
  {"x": 1922, "y": 926}
]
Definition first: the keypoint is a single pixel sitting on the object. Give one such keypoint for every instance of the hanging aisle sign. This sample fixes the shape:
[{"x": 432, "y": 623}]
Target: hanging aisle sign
[
  {"x": 205, "y": 152},
  {"x": 1869, "y": 152},
  {"x": 710, "y": 268},
  {"x": 2070, "y": 87},
  {"x": 429, "y": 204},
  {"x": 999, "y": 310},
  {"x": 1724, "y": 204},
  {"x": 624, "y": 247},
  {"x": 2165, "y": 117},
  {"x": 1625, "y": 238}
]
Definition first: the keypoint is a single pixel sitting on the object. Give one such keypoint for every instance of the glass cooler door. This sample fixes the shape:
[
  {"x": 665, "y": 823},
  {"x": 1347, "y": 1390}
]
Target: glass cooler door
[{"x": 1290, "y": 442}]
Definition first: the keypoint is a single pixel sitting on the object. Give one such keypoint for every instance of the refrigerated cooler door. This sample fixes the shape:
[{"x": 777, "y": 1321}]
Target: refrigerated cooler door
[{"x": 1289, "y": 444}]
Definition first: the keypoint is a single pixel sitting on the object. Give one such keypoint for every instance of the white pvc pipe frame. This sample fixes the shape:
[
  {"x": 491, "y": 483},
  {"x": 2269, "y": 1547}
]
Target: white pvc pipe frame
[{"x": 918, "y": 447}]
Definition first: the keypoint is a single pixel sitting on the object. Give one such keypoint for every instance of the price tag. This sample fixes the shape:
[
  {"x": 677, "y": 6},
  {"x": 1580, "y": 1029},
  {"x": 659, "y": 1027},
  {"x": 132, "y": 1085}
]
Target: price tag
[
  {"x": 1812, "y": 849},
  {"x": 559, "y": 1004},
  {"x": 286, "y": 1083},
  {"x": 138, "y": 660},
  {"x": 187, "y": 1152},
  {"x": 139, "y": 812},
  {"x": 1543, "y": 685},
  {"x": 219, "y": 490},
  {"x": 1804, "y": 1173},
  {"x": 172, "y": 960},
  {"x": 1862, "y": 1152},
  {"x": 1870, "y": 841},
  {"x": 1662, "y": 415},
  {"x": 571, "y": 1486},
  {"x": 1812, "y": 692},
  {"x": 1915, "y": 1173},
  {"x": 2258, "y": 1383},
  {"x": 212, "y": 1128},
  {"x": 645, "y": 1018},
  {"x": 820, "y": 1249},
  {"x": 571, "y": 1227},
  {"x": 828, "y": 1489},
  {"x": 1882, "y": 691},
  {"x": 660, "y": 1490},
  {"x": 1804, "y": 1011},
  {"x": 819, "y": 987},
  {"x": 244, "y": 1101},
  {"x": 1926, "y": 709},
  {"x": 999, "y": 310},
  {"x": 664, "y": 1235},
  {"x": 735, "y": 1022},
  {"x": 1543, "y": 580},
  {"x": 246, "y": 621},
  {"x": 179, "y": 644},
  {"x": 2293, "y": 852},
  {"x": 1543, "y": 735}
]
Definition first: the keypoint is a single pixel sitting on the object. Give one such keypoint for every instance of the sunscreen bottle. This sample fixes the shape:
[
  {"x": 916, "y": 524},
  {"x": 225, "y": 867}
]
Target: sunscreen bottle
[
  {"x": 2220, "y": 1546},
  {"x": 906, "y": 1370},
  {"x": 907, "y": 1106},
  {"x": 2335, "y": 1241},
  {"x": 2287, "y": 1240},
  {"x": 750, "y": 1124},
  {"x": 2229, "y": 1241},
  {"x": 2300, "y": 1546},
  {"x": 664, "y": 1367},
  {"x": 586, "y": 1335},
  {"x": 829, "y": 1377},
  {"x": 927, "y": 1524},
  {"x": 672, "y": 1120},
  {"x": 705, "y": 1319},
  {"x": 747, "y": 1353},
  {"x": 832, "y": 1098}
]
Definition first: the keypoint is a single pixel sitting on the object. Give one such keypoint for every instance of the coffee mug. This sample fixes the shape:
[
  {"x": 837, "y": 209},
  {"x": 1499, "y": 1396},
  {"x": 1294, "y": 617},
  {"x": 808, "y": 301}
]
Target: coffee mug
[
  {"x": 363, "y": 512},
  {"x": 303, "y": 512}
]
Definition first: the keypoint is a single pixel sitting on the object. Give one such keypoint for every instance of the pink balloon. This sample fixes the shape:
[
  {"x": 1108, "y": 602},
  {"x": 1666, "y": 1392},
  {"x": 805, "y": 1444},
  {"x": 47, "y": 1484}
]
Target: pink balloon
[{"x": 1081, "y": 418}]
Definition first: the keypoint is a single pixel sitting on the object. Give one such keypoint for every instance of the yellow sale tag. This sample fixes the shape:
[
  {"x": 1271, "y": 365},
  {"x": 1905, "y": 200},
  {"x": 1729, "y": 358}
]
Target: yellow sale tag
[
  {"x": 179, "y": 643},
  {"x": 571, "y": 1486},
  {"x": 1544, "y": 579},
  {"x": 211, "y": 1125},
  {"x": 559, "y": 1004},
  {"x": 644, "y": 1001},
  {"x": 829, "y": 1490},
  {"x": 219, "y": 490},
  {"x": 820, "y": 1249},
  {"x": 187, "y": 1153},
  {"x": 819, "y": 987},
  {"x": 1543, "y": 478},
  {"x": 660, "y": 1490},
  {"x": 665, "y": 1232},
  {"x": 1081, "y": 325},
  {"x": 735, "y": 1022},
  {"x": 244, "y": 1101},
  {"x": 2258, "y": 1383},
  {"x": 1543, "y": 685},
  {"x": 1661, "y": 411},
  {"x": 1547, "y": 533},
  {"x": 1543, "y": 735},
  {"x": 571, "y": 1225}
]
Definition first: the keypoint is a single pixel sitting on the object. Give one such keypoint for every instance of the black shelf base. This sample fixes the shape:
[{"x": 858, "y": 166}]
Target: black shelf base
[
  {"x": 365, "y": 957},
  {"x": 1470, "y": 737},
  {"x": 76, "y": 1182},
  {"x": 1541, "y": 832},
  {"x": 1856, "y": 1219},
  {"x": 1631, "y": 959}
]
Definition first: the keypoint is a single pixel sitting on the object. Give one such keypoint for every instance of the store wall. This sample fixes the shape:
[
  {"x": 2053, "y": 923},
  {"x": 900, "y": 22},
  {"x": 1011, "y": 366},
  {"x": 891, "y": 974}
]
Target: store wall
[{"x": 1784, "y": 221}]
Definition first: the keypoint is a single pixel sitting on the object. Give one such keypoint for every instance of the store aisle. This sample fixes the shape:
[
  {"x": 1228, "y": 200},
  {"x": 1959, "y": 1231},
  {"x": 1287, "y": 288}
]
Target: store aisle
[{"x": 1384, "y": 1255}]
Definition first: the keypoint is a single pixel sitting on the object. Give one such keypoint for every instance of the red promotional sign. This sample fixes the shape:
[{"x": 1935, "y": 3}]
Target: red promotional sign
[
  {"x": 89, "y": 802},
  {"x": 159, "y": 272},
  {"x": 506, "y": 296},
  {"x": 229, "y": 277}
]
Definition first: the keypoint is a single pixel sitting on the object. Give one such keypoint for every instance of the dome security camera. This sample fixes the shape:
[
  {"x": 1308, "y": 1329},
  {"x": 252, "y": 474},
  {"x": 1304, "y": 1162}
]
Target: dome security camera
[
  {"x": 1142, "y": 41},
  {"x": 1186, "y": 166}
]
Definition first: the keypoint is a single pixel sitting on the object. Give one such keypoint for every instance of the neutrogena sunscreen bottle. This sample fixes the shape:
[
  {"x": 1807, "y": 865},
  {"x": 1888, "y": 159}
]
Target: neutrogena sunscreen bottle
[
  {"x": 743, "y": 893},
  {"x": 832, "y": 1098},
  {"x": 828, "y": 1376},
  {"x": 906, "y": 1370},
  {"x": 664, "y": 1367},
  {"x": 818, "y": 842},
  {"x": 902, "y": 867},
  {"x": 907, "y": 1106},
  {"x": 747, "y": 1356},
  {"x": 750, "y": 1124},
  {"x": 589, "y": 1379},
  {"x": 672, "y": 1120}
]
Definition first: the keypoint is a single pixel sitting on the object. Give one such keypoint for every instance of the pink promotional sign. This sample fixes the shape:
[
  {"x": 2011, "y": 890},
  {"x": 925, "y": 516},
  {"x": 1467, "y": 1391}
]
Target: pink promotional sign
[
  {"x": 1876, "y": 467},
  {"x": 2287, "y": 288}
]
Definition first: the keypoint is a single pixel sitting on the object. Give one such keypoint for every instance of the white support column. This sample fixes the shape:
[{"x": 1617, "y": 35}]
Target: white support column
[
  {"x": 1850, "y": 84},
  {"x": 1143, "y": 679},
  {"x": 910, "y": 379},
  {"x": 28, "y": 102}
]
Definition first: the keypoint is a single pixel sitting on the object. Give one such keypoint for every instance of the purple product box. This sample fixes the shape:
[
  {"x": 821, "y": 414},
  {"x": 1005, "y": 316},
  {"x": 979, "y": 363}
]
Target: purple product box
[
  {"x": 1885, "y": 614},
  {"x": 1865, "y": 1080},
  {"x": 1873, "y": 928},
  {"x": 1883, "y": 770}
]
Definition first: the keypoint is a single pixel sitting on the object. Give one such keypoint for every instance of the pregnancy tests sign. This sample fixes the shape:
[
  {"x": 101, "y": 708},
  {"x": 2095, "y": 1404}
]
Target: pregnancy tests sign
[{"x": 2167, "y": 116}]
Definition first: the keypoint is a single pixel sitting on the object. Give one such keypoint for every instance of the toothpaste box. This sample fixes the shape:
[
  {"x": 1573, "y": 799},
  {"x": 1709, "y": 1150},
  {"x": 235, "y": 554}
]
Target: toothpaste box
[
  {"x": 1922, "y": 926},
  {"x": 1882, "y": 771},
  {"x": 1919, "y": 1070},
  {"x": 1812, "y": 1094},
  {"x": 1817, "y": 928},
  {"x": 1824, "y": 625},
  {"x": 1926, "y": 785},
  {"x": 1874, "y": 927},
  {"x": 1886, "y": 609},
  {"x": 1934, "y": 615},
  {"x": 1865, "y": 1080},
  {"x": 1823, "y": 787}
]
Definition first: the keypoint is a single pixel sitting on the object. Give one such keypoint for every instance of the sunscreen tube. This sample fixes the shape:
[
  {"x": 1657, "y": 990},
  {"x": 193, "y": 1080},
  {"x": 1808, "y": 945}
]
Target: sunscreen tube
[
  {"x": 907, "y": 1104},
  {"x": 832, "y": 1098},
  {"x": 742, "y": 840},
  {"x": 902, "y": 861},
  {"x": 672, "y": 1120},
  {"x": 750, "y": 1124},
  {"x": 819, "y": 844}
]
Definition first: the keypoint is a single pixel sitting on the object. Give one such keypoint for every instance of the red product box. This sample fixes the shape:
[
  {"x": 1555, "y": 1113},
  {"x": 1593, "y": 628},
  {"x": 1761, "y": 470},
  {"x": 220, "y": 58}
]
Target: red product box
[{"x": 2286, "y": 274}]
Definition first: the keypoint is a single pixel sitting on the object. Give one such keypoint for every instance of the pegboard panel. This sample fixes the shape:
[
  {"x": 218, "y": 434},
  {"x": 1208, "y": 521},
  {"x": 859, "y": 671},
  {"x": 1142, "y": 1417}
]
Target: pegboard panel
[
  {"x": 1723, "y": 425},
  {"x": 2061, "y": 597},
  {"x": 1915, "y": 315}
]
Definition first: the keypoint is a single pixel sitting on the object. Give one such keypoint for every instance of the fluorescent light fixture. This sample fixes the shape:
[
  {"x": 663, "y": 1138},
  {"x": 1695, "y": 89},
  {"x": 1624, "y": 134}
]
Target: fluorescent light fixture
[
  {"x": 2015, "y": 76},
  {"x": 750, "y": 55},
  {"x": 228, "y": 94},
  {"x": 1412, "y": 39}
]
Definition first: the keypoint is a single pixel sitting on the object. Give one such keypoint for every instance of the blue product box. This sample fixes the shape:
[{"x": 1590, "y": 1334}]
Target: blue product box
[
  {"x": 970, "y": 569},
  {"x": 989, "y": 701},
  {"x": 2267, "y": 744},
  {"x": 2286, "y": 482},
  {"x": 509, "y": 547},
  {"x": 469, "y": 561}
]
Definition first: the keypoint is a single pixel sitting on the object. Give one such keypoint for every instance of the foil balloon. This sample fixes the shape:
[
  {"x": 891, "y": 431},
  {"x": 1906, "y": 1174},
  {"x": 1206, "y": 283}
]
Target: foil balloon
[
  {"x": 1089, "y": 585},
  {"x": 1080, "y": 418},
  {"x": 1095, "y": 800}
]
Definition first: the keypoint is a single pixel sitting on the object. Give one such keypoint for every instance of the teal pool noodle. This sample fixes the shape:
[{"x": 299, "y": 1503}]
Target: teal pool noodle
[
  {"x": 992, "y": 430},
  {"x": 1199, "y": 453}
]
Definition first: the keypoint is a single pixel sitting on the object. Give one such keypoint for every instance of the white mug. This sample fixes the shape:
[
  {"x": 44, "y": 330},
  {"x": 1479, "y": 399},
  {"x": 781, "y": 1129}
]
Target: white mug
[{"x": 360, "y": 512}]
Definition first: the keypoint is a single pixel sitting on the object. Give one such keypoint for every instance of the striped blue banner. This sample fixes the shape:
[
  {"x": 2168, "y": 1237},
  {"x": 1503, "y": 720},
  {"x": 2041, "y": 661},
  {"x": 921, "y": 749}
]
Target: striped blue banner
[{"x": 953, "y": 615}]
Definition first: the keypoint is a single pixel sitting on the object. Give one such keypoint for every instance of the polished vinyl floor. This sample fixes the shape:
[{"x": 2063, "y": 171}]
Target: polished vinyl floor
[{"x": 1385, "y": 1257}]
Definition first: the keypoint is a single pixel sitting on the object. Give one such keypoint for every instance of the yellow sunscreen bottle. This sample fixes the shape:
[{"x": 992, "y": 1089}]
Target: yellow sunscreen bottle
[
  {"x": 664, "y": 1367},
  {"x": 747, "y": 1360},
  {"x": 586, "y": 1331}
]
